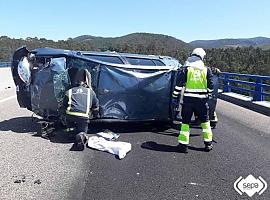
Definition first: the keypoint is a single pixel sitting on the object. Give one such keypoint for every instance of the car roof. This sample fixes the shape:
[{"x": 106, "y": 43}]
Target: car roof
[
  {"x": 57, "y": 52},
  {"x": 51, "y": 52},
  {"x": 114, "y": 53}
]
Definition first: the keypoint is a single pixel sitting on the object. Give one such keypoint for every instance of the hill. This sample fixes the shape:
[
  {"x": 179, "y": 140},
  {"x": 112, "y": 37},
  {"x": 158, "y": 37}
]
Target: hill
[
  {"x": 224, "y": 43},
  {"x": 136, "y": 41},
  {"x": 249, "y": 59},
  {"x": 144, "y": 43}
]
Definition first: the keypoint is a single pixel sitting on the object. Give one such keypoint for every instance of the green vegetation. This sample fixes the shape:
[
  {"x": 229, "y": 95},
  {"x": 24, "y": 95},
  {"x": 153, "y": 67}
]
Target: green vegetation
[
  {"x": 224, "y": 43},
  {"x": 143, "y": 43},
  {"x": 265, "y": 47},
  {"x": 250, "y": 60},
  {"x": 244, "y": 60}
]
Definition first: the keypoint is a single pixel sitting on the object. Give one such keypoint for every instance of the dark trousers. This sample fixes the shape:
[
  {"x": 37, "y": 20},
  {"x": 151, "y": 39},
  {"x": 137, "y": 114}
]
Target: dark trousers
[
  {"x": 195, "y": 105},
  {"x": 81, "y": 124},
  {"x": 212, "y": 107}
]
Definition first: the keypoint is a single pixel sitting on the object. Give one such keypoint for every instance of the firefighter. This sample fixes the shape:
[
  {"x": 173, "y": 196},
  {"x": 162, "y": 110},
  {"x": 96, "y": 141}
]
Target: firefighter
[
  {"x": 80, "y": 104},
  {"x": 212, "y": 101},
  {"x": 197, "y": 82}
]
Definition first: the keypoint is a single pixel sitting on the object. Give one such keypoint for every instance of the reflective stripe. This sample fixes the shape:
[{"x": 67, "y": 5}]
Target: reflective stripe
[
  {"x": 210, "y": 90},
  {"x": 196, "y": 95},
  {"x": 206, "y": 125},
  {"x": 182, "y": 95},
  {"x": 88, "y": 102},
  {"x": 185, "y": 127},
  {"x": 174, "y": 96},
  {"x": 175, "y": 92},
  {"x": 186, "y": 133},
  {"x": 69, "y": 100},
  {"x": 215, "y": 117},
  {"x": 195, "y": 90},
  {"x": 178, "y": 88},
  {"x": 80, "y": 114},
  {"x": 206, "y": 130},
  {"x": 208, "y": 137},
  {"x": 183, "y": 137},
  {"x": 77, "y": 114}
]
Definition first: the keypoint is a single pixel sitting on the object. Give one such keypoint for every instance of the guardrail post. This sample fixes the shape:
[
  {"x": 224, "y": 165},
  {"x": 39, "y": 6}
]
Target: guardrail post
[
  {"x": 226, "y": 83},
  {"x": 258, "y": 93}
]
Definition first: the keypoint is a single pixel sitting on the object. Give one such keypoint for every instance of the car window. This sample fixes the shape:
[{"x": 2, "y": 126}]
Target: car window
[
  {"x": 92, "y": 67},
  {"x": 140, "y": 61},
  {"x": 158, "y": 63},
  {"x": 109, "y": 59}
]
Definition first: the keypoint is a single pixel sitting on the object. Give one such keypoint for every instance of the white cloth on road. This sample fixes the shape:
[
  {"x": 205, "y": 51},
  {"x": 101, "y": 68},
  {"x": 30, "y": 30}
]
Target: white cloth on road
[
  {"x": 117, "y": 148},
  {"x": 108, "y": 135}
]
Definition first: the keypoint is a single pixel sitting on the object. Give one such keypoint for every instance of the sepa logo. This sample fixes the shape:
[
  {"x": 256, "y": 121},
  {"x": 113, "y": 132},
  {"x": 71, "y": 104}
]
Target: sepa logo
[{"x": 250, "y": 185}]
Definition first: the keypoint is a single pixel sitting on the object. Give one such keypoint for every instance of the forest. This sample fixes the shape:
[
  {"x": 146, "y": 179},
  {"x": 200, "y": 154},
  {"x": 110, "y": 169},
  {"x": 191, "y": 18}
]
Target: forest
[{"x": 247, "y": 60}]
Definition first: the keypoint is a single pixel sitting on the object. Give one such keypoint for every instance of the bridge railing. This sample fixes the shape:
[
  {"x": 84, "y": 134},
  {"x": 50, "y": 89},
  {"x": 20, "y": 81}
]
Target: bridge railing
[
  {"x": 256, "y": 86},
  {"x": 5, "y": 64}
]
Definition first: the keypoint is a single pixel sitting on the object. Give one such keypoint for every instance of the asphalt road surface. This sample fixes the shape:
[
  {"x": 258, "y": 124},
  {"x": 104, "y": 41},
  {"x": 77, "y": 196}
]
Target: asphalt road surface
[{"x": 35, "y": 168}]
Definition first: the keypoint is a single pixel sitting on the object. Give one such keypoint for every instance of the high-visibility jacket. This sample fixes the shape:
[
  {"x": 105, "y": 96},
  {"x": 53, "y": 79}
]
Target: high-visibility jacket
[
  {"x": 196, "y": 85},
  {"x": 198, "y": 82},
  {"x": 79, "y": 101}
]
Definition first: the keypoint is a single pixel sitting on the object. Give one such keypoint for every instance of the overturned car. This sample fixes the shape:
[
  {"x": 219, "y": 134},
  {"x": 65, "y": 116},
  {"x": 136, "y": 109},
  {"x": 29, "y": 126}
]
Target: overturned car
[{"x": 130, "y": 87}]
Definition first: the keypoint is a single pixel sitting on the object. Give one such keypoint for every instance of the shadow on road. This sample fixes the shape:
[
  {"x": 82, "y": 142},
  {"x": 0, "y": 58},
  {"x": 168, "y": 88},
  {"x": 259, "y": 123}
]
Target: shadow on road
[
  {"x": 159, "y": 147},
  {"x": 19, "y": 125},
  {"x": 196, "y": 148},
  {"x": 127, "y": 127},
  {"x": 169, "y": 132},
  {"x": 150, "y": 145},
  {"x": 30, "y": 125}
]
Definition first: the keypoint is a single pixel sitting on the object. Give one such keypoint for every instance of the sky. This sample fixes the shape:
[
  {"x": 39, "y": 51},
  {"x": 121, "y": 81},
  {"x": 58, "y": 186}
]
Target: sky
[{"x": 186, "y": 20}]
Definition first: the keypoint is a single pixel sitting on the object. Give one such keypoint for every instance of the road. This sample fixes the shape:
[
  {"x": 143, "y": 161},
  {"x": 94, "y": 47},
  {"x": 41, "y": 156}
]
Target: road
[
  {"x": 49, "y": 169},
  {"x": 6, "y": 80}
]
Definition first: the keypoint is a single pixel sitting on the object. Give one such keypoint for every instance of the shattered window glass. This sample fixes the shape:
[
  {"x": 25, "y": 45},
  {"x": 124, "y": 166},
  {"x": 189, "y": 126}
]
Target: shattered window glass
[
  {"x": 60, "y": 76},
  {"x": 92, "y": 67},
  {"x": 61, "y": 84},
  {"x": 49, "y": 87},
  {"x": 58, "y": 64}
]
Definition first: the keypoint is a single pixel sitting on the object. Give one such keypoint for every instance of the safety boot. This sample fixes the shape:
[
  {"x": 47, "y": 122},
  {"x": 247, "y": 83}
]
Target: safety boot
[
  {"x": 182, "y": 148},
  {"x": 81, "y": 140},
  {"x": 208, "y": 146}
]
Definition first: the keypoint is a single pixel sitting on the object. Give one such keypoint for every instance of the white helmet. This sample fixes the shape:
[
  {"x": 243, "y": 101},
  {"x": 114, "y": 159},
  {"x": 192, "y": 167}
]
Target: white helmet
[{"x": 199, "y": 52}]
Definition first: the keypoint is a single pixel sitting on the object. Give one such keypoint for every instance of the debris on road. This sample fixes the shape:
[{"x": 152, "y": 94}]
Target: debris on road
[
  {"x": 23, "y": 178},
  {"x": 117, "y": 148},
  {"x": 18, "y": 181},
  {"x": 108, "y": 135},
  {"x": 37, "y": 181}
]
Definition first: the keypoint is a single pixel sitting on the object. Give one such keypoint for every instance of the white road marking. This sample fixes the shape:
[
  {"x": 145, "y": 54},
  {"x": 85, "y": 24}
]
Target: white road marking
[
  {"x": 6, "y": 99},
  {"x": 197, "y": 184}
]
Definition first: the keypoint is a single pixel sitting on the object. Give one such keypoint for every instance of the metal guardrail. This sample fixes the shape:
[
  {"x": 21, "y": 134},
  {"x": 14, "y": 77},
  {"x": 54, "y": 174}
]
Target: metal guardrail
[
  {"x": 255, "y": 85},
  {"x": 5, "y": 64}
]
